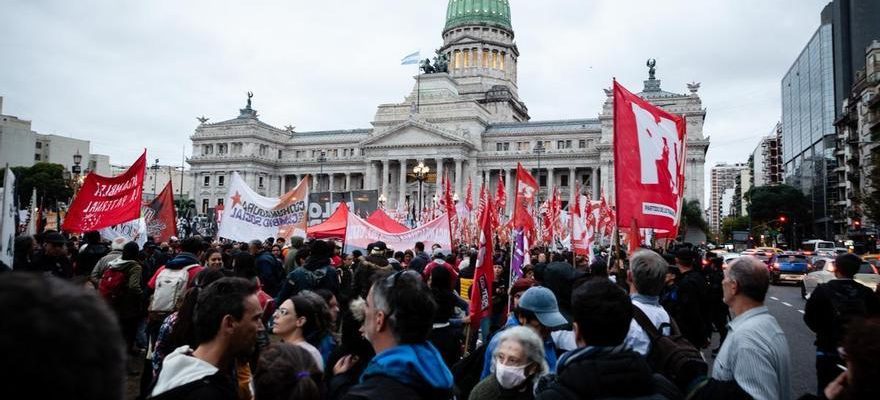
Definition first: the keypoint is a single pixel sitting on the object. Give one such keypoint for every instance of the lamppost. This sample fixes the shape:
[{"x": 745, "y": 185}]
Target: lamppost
[
  {"x": 539, "y": 151},
  {"x": 322, "y": 158},
  {"x": 76, "y": 172},
  {"x": 421, "y": 172},
  {"x": 155, "y": 169}
]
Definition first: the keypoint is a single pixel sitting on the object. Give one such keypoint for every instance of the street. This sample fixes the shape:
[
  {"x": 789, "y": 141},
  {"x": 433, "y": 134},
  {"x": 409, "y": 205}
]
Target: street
[{"x": 786, "y": 305}]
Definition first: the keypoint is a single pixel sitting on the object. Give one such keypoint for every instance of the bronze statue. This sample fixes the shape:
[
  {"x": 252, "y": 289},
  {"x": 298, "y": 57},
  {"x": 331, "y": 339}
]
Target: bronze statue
[
  {"x": 202, "y": 119},
  {"x": 651, "y": 71},
  {"x": 426, "y": 66},
  {"x": 249, "y": 95},
  {"x": 441, "y": 62}
]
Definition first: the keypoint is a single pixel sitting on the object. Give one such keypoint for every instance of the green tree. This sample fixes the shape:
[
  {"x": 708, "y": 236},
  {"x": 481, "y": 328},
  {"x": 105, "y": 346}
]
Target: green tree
[
  {"x": 47, "y": 178},
  {"x": 768, "y": 203},
  {"x": 692, "y": 216},
  {"x": 185, "y": 207},
  {"x": 730, "y": 224}
]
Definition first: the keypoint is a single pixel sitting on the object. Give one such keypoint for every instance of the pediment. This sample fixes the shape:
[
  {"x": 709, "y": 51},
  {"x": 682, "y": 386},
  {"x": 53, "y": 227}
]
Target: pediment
[{"x": 413, "y": 133}]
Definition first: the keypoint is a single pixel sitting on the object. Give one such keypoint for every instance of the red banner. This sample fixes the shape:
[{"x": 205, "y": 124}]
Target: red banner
[
  {"x": 484, "y": 273},
  {"x": 526, "y": 190},
  {"x": 107, "y": 201},
  {"x": 160, "y": 216},
  {"x": 649, "y": 160}
]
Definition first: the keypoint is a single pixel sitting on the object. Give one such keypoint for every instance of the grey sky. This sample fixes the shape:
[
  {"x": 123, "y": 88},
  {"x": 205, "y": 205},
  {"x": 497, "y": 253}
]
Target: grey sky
[{"x": 133, "y": 74}]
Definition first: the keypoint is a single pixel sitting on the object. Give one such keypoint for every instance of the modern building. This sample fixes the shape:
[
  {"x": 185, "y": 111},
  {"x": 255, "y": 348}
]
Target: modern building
[
  {"x": 858, "y": 131},
  {"x": 466, "y": 121},
  {"x": 808, "y": 135},
  {"x": 766, "y": 160},
  {"x": 21, "y": 146},
  {"x": 723, "y": 192},
  {"x": 856, "y": 24}
]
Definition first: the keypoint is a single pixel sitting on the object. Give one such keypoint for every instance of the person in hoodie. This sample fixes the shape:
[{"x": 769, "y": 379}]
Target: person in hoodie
[
  {"x": 90, "y": 253},
  {"x": 374, "y": 262},
  {"x": 420, "y": 260},
  {"x": 227, "y": 320},
  {"x": 439, "y": 261},
  {"x": 399, "y": 315},
  {"x": 290, "y": 263},
  {"x": 315, "y": 273},
  {"x": 269, "y": 268},
  {"x": 602, "y": 366},
  {"x": 128, "y": 305}
]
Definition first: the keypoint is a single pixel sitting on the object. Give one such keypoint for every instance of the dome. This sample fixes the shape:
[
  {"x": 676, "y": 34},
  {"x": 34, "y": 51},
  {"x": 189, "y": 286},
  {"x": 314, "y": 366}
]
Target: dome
[{"x": 478, "y": 12}]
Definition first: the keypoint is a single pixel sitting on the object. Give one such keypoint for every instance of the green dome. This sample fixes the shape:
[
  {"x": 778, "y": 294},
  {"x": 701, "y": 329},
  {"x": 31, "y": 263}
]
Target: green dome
[{"x": 478, "y": 12}]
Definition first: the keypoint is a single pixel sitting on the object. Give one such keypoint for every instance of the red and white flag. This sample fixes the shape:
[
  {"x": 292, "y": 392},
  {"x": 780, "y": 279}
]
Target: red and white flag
[
  {"x": 524, "y": 203},
  {"x": 484, "y": 273},
  {"x": 579, "y": 227},
  {"x": 650, "y": 146},
  {"x": 106, "y": 201}
]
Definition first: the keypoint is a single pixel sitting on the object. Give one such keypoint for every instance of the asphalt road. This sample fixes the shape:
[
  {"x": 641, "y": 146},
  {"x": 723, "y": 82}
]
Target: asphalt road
[{"x": 785, "y": 304}]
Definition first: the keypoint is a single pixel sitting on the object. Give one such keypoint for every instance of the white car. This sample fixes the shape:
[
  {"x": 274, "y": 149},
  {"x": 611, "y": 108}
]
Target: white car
[
  {"x": 728, "y": 257},
  {"x": 823, "y": 271}
]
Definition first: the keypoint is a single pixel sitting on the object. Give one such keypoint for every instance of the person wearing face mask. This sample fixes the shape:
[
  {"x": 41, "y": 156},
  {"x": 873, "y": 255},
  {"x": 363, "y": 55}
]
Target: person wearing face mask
[{"x": 518, "y": 363}]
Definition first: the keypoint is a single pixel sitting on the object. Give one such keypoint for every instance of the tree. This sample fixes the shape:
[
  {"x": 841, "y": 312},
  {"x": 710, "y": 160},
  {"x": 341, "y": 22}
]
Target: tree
[
  {"x": 692, "y": 216},
  {"x": 730, "y": 224},
  {"x": 185, "y": 207},
  {"x": 49, "y": 181},
  {"x": 780, "y": 207}
]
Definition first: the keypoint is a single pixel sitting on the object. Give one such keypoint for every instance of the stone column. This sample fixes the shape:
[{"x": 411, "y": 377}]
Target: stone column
[
  {"x": 283, "y": 184},
  {"x": 332, "y": 179},
  {"x": 401, "y": 189},
  {"x": 594, "y": 183},
  {"x": 439, "y": 162},
  {"x": 458, "y": 178},
  {"x": 384, "y": 177},
  {"x": 348, "y": 181},
  {"x": 572, "y": 185},
  {"x": 508, "y": 188},
  {"x": 550, "y": 181}
]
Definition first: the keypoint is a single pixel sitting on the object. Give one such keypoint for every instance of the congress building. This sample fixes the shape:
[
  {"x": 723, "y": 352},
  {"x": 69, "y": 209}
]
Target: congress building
[{"x": 463, "y": 119}]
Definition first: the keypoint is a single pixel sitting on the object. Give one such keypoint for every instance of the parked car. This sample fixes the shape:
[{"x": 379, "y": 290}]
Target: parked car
[
  {"x": 868, "y": 275},
  {"x": 728, "y": 257},
  {"x": 770, "y": 250},
  {"x": 788, "y": 267}
]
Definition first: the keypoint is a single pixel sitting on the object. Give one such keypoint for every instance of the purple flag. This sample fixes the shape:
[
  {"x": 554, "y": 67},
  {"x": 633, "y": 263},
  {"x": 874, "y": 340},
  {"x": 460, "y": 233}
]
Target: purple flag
[{"x": 519, "y": 254}]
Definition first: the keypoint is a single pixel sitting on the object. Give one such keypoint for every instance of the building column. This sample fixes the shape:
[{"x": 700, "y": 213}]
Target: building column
[
  {"x": 384, "y": 177},
  {"x": 594, "y": 183},
  {"x": 550, "y": 182},
  {"x": 458, "y": 177},
  {"x": 439, "y": 163},
  {"x": 572, "y": 185},
  {"x": 283, "y": 184},
  {"x": 331, "y": 177},
  {"x": 401, "y": 185},
  {"x": 348, "y": 181},
  {"x": 508, "y": 188}
]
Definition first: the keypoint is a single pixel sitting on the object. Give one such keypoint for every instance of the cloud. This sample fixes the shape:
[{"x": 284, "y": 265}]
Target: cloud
[{"x": 129, "y": 75}]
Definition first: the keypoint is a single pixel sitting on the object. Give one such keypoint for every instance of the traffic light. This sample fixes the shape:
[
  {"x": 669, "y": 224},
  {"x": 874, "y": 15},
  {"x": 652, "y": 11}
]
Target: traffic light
[
  {"x": 857, "y": 224},
  {"x": 782, "y": 218}
]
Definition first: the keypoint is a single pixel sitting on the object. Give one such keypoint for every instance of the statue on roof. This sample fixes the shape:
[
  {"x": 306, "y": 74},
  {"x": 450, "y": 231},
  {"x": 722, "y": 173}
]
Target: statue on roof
[
  {"x": 249, "y": 96},
  {"x": 651, "y": 71},
  {"x": 426, "y": 66},
  {"x": 441, "y": 62},
  {"x": 202, "y": 119}
]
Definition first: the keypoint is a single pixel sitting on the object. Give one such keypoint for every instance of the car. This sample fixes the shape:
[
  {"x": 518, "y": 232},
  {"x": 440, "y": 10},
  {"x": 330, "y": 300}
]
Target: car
[
  {"x": 788, "y": 267},
  {"x": 868, "y": 275},
  {"x": 771, "y": 250}
]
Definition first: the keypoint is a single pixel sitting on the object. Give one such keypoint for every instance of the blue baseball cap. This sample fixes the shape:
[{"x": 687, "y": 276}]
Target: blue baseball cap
[{"x": 542, "y": 302}]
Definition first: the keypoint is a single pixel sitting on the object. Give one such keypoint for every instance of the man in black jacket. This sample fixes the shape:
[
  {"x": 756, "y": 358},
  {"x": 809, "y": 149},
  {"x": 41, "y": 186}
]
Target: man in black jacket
[
  {"x": 830, "y": 308},
  {"x": 420, "y": 260},
  {"x": 227, "y": 319},
  {"x": 692, "y": 314},
  {"x": 602, "y": 366}
]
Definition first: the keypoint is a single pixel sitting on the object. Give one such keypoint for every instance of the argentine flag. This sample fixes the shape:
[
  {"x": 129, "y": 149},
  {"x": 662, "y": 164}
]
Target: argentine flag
[{"x": 411, "y": 59}]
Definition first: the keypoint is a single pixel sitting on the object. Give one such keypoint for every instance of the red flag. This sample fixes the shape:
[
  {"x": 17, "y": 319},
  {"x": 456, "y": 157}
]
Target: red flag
[
  {"x": 107, "y": 201},
  {"x": 469, "y": 195},
  {"x": 605, "y": 224},
  {"x": 526, "y": 189},
  {"x": 160, "y": 216},
  {"x": 649, "y": 159},
  {"x": 578, "y": 225},
  {"x": 634, "y": 239},
  {"x": 501, "y": 194},
  {"x": 484, "y": 273},
  {"x": 450, "y": 209}
]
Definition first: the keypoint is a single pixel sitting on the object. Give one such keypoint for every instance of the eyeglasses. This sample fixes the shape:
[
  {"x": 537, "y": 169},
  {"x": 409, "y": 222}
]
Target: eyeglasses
[{"x": 282, "y": 311}]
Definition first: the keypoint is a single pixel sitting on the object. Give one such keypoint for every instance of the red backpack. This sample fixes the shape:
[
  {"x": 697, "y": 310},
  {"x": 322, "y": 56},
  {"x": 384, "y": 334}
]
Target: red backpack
[{"x": 113, "y": 284}]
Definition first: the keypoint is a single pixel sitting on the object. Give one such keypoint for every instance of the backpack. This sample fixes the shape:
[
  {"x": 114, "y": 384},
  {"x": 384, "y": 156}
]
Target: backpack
[
  {"x": 304, "y": 279},
  {"x": 170, "y": 288},
  {"x": 847, "y": 304},
  {"x": 113, "y": 284},
  {"x": 672, "y": 356}
]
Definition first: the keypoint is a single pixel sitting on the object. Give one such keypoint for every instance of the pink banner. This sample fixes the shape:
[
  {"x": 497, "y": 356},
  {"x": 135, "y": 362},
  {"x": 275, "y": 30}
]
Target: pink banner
[{"x": 360, "y": 233}]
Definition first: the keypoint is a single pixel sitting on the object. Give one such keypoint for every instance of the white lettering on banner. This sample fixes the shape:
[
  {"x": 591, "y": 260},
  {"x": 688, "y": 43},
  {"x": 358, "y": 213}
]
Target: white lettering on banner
[
  {"x": 658, "y": 210},
  {"x": 657, "y": 142}
]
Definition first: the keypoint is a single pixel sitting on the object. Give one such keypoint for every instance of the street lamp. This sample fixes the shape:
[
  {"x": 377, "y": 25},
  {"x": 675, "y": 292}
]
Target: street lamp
[
  {"x": 155, "y": 169},
  {"x": 421, "y": 172},
  {"x": 322, "y": 158},
  {"x": 76, "y": 170},
  {"x": 539, "y": 150}
]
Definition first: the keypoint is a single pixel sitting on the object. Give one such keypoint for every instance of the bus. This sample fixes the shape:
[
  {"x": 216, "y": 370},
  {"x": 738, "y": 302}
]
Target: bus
[{"x": 818, "y": 247}]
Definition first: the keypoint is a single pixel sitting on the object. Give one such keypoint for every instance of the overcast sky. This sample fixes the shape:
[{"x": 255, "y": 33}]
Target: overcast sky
[{"x": 133, "y": 74}]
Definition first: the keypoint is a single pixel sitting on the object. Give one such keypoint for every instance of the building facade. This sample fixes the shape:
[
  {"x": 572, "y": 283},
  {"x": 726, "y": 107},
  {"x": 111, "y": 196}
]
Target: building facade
[
  {"x": 21, "y": 146},
  {"x": 766, "y": 160},
  {"x": 858, "y": 131},
  {"x": 467, "y": 123},
  {"x": 723, "y": 202}
]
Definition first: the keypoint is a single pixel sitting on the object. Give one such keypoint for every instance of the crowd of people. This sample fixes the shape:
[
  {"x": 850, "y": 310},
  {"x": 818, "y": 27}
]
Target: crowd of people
[{"x": 298, "y": 319}]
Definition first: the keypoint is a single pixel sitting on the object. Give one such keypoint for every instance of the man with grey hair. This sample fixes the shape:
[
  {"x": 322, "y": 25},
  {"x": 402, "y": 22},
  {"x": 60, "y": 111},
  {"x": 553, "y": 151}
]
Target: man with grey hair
[
  {"x": 755, "y": 354},
  {"x": 646, "y": 277}
]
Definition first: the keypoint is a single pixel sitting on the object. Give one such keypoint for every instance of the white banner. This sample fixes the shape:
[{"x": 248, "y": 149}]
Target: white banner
[
  {"x": 7, "y": 219},
  {"x": 134, "y": 230},
  {"x": 360, "y": 233},
  {"x": 248, "y": 215}
]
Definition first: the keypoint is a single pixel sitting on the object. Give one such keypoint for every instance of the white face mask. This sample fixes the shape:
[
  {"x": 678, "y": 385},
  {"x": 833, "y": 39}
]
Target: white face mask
[{"x": 509, "y": 377}]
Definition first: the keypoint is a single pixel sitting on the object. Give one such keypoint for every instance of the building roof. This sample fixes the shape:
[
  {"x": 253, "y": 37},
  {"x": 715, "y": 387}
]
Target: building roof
[
  {"x": 549, "y": 126},
  {"x": 478, "y": 12}
]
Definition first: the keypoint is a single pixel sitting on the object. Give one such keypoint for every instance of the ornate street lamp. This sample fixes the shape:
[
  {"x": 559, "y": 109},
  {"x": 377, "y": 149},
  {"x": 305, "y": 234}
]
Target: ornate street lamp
[
  {"x": 322, "y": 158},
  {"x": 76, "y": 171},
  {"x": 155, "y": 169},
  {"x": 539, "y": 151},
  {"x": 421, "y": 172}
]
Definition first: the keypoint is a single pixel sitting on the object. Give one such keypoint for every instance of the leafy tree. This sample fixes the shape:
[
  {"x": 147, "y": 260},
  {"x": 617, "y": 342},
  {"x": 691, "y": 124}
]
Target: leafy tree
[
  {"x": 185, "y": 207},
  {"x": 49, "y": 181},
  {"x": 730, "y": 224},
  {"x": 692, "y": 216},
  {"x": 768, "y": 203}
]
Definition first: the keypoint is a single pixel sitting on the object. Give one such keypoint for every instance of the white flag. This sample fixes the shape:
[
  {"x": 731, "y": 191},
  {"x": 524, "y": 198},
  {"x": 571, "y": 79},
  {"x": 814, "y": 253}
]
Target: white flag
[
  {"x": 7, "y": 219},
  {"x": 413, "y": 58}
]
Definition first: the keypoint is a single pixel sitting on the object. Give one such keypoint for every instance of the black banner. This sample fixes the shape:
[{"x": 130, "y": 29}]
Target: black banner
[{"x": 323, "y": 204}]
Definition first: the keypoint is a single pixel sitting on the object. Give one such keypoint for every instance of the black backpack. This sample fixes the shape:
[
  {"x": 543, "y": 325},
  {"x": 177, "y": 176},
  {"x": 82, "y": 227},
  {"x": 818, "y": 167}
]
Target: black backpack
[
  {"x": 847, "y": 303},
  {"x": 672, "y": 356}
]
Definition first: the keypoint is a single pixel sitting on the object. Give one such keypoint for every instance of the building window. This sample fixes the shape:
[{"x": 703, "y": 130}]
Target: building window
[
  {"x": 220, "y": 201},
  {"x": 542, "y": 180},
  {"x": 563, "y": 181},
  {"x": 39, "y": 145},
  {"x": 220, "y": 180},
  {"x": 205, "y": 206},
  {"x": 568, "y": 144},
  {"x": 560, "y": 144},
  {"x": 299, "y": 154},
  {"x": 485, "y": 58},
  {"x": 522, "y": 146},
  {"x": 582, "y": 143},
  {"x": 207, "y": 181},
  {"x": 499, "y": 146},
  {"x": 501, "y": 61},
  {"x": 345, "y": 152},
  {"x": 36, "y": 157},
  {"x": 314, "y": 153},
  {"x": 279, "y": 154},
  {"x": 222, "y": 148},
  {"x": 261, "y": 182},
  {"x": 467, "y": 58},
  {"x": 334, "y": 153}
]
